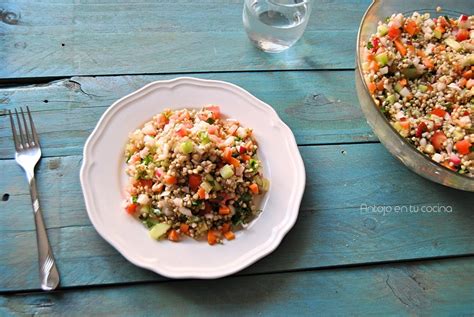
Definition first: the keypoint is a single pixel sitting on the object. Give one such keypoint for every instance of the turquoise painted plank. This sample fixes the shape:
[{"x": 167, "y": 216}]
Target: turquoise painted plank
[
  {"x": 318, "y": 106},
  {"x": 332, "y": 229},
  {"x": 431, "y": 288},
  {"x": 67, "y": 38}
]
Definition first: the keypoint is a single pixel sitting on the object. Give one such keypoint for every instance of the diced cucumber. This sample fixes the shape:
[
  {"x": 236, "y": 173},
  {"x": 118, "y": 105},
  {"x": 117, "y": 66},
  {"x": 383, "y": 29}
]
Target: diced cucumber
[
  {"x": 398, "y": 87},
  {"x": 204, "y": 137},
  {"x": 187, "y": 147},
  {"x": 422, "y": 88},
  {"x": 159, "y": 230},
  {"x": 217, "y": 186},
  {"x": 265, "y": 184},
  {"x": 455, "y": 45},
  {"x": 410, "y": 73},
  {"x": 226, "y": 171},
  {"x": 391, "y": 99},
  {"x": 382, "y": 59},
  {"x": 206, "y": 186},
  {"x": 209, "y": 178},
  {"x": 382, "y": 29}
]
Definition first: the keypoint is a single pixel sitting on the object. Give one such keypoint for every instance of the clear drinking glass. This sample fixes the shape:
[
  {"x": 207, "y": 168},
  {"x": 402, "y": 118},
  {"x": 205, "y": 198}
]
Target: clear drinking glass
[{"x": 275, "y": 25}]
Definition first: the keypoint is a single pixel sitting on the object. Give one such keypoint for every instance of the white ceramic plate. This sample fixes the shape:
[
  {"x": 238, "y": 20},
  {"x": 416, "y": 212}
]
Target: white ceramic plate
[{"x": 103, "y": 180}]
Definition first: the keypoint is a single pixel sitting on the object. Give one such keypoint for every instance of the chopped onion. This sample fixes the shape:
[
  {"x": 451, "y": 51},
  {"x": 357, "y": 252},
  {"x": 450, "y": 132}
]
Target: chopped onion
[
  {"x": 405, "y": 92},
  {"x": 185, "y": 211}
]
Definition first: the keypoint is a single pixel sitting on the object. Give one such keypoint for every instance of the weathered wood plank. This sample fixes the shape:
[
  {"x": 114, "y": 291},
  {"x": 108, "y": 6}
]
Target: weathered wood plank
[
  {"x": 319, "y": 106},
  {"x": 332, "y": 228},
  {"x": 432, "y": 288},
  {"x": 68, "y": 38}
]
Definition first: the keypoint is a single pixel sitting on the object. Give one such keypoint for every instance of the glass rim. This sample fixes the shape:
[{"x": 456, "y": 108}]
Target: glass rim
[{"x": 289, "y": 5}]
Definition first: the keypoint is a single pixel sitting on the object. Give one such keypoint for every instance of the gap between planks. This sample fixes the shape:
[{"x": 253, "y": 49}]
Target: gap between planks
[{"x": 367, "y": 265}]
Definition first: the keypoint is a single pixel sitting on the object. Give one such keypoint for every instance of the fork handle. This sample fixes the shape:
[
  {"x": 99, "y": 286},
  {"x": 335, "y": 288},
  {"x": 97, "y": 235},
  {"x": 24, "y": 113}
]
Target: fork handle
[{"x": 48, "y": 271}]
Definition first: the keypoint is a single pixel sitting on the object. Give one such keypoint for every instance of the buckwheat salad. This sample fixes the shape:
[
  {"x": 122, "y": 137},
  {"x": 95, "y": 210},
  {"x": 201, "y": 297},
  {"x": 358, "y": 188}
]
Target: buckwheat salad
[
  {"x": 193, "y": 173},
  {"x": 420, "y": 73}
]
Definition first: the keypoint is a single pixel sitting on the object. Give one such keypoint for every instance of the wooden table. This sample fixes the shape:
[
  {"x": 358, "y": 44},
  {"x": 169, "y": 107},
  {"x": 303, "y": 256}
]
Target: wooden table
[{"x": 69, "y": 60}]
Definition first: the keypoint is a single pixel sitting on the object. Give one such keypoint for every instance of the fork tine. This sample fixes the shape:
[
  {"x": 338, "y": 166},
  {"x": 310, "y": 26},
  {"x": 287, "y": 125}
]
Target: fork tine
[
  {"x": 32, "y": 126},
  {"x": 20, "y": 130},
  {"x": 15, "y": 137},
  {"x": 28, "y": 139}
]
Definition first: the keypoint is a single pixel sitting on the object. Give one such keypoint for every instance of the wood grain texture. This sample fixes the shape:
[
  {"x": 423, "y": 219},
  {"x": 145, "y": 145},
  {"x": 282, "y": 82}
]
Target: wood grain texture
[
  {"x": 68, "y": 38},
  {"x": 318, "y": 106},
  {"x": 332, "y": 229},
  {"x": 434, "y": 288}
]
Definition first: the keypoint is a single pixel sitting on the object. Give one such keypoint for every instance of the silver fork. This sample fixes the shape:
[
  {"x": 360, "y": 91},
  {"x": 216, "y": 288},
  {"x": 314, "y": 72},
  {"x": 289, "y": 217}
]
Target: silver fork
[{"x": 28, "y": 153}]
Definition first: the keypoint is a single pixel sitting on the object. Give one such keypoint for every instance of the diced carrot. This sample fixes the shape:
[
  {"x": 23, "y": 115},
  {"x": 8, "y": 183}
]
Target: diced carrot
[
  {"x": 211, "y": 237},
  {"x": 245, "y": 157},
  {"x": 380, "y": 84},
  {"x": 411, "y": 48},
  {"x": 254, "y": 188},
  {"x": 403, "y": 82},
  {"x": 170, "y": 180},
  {"x": 184, "y": 228},
  {"x": 374, "y": 66},
  {"x": 411, "y": 27},
  {"x": 173, "y": 235},
  {"x": 440, "y": 29},
  {"x": 201, "y": 193},
  {"x": 446, "y": 164},
  {"x": 132, "y": 208},
  {"x": 372, "y": 87},
  {"x": 420, "y": 53},
  {"x": 225, "y": 227},
  {"x": 227, "y": 154},
  {"x": 462, "y": 82},
  {"x": 194, "y": 181},
  {"x": 428, "y": 63},
  {"x": 229, "y": 235},
  {"x": 224, "y": 210},
  {"x": 370, "y": 57},
  {"x": 468, "y": 74},
  {"x": 405, "y": 124},
  {"x": 235, "y": 162},
  {"x": 400, "y": 47},
  {"x": 463, "y": 147}
]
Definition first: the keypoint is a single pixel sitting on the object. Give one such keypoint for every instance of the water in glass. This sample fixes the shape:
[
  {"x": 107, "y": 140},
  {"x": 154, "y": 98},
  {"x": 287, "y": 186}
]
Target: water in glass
[{"x": 275, "y": 25}]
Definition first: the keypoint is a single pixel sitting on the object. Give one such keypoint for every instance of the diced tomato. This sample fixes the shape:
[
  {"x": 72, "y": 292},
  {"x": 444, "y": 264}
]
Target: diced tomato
[
  {"x": 212, "y": 129},
  {"x": 145, "y": 183},
  {"x": 394, "y": 33},
  {"x": 420, "y": 129},
  {"x": 194, "y": 181},
  {"x": 380, "y": 85},
  {"x": 438, "y": 139},
  {"x": 242, "y": 149},
  {"x": 411, "y": 27},
  {"x": 224, "y": 210},
  {"x": 375, "y": 44},
  {"x": 216, "y": 111},
  {"x": 132, "y": 208},
  {"x": 463, "y": 147},
  {"x": 170, "y": 180},
  {"x": 245, "y": 157},
  {"x": 438, "y": 112},
  {"x": 161, "y": 119},
  {"x": 173, "y": 236},
  {"x": 182, "y": 131},
  {"x": 235, "y": 162},
  {"x": 443, "y": 22},
  {"x": 462, "y": 35}
]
